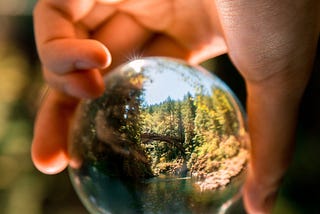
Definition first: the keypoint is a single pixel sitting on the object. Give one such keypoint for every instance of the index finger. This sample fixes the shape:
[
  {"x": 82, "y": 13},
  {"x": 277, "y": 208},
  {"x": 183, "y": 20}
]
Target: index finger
[{"x": 59, "y": 46}]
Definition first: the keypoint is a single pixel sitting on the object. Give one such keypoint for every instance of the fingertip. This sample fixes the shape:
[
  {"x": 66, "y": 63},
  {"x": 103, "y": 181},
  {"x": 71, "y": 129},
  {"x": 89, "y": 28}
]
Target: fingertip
[
  {"x": 247, "y": 201},
  {"x": 256, "y": 197},
  {"x": 89, "y": 54},
  {"x": 48, "y": 155},
  {"x": 108, "y": 58},
  {"x": 49, "y": 150},
  {"x": 100, "y": 57},
  {"x": 67, "y": 55},
  {"x": 53, "y": 163}
]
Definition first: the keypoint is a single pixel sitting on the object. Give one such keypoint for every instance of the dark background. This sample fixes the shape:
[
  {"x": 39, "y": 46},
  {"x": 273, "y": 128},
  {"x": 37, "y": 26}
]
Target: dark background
[{"x": 25, "y": 190}]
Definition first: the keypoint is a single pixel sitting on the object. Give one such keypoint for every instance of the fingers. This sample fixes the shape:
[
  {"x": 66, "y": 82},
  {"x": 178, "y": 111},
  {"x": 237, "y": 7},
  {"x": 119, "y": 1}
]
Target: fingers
[
  {"x": 80, "y": 83},
  {"x": 176, "y": 50},
  {"x": 173, "y": 49},
  {"x": 73, "y": 9},
  {"x": 70, "y": 64},
  {"x": 276, "y": 64},
  {"x": 59, "y": 47},
  {"x": 49, "y": 146},
  {"x": 259, "y": 197},
  {"x": 51, "y": 23},
  {"x": 66, "y": 55},
  {"x": 124, "y": 37},
  {"x": 272, "y": 106},
  {"x": 272, "y": 126}
]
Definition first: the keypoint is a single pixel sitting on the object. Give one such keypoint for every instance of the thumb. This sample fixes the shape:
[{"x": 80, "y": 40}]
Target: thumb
[
  {"x": 258, "y": 198},
  {"x": 49, "y": 147}
]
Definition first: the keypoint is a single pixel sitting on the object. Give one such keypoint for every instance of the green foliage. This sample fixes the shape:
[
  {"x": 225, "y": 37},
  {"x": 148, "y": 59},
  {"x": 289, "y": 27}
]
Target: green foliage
[
  {"x": 199, "y": 128},
  {"x": 129, "y": 139}
]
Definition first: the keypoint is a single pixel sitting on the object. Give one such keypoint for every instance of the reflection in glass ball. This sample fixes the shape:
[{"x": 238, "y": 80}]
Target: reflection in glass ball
[{"x": 165, "y": 137}]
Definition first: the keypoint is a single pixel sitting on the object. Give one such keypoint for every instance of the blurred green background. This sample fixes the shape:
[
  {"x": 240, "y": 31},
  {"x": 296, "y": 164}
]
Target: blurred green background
[{"x": 25, "y": 190}]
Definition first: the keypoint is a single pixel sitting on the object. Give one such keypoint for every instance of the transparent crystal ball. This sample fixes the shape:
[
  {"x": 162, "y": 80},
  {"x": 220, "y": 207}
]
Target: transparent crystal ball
[{"x": 165, "y": 137}]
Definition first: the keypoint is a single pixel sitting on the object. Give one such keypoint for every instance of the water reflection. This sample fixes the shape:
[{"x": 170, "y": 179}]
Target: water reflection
[{"x": 165, "y": 136}]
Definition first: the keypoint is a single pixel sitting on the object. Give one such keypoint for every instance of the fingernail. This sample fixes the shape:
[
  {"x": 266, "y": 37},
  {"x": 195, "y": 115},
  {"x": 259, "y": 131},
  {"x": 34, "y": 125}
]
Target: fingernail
[{"x": 108, "y": 57}]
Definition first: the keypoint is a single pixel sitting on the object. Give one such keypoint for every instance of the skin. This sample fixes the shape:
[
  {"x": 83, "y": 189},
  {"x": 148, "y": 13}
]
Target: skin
[{"x": 272, "y": 44}]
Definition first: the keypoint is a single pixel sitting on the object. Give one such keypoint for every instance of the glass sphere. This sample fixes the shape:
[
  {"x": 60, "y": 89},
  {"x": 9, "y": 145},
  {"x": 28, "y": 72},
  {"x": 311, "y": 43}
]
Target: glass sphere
[{"x": 165, "y": 137}]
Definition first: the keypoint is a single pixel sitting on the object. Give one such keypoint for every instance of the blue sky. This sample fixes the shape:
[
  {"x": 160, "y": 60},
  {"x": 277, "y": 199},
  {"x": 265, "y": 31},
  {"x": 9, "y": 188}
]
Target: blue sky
[{"x": 171, "y": 83}]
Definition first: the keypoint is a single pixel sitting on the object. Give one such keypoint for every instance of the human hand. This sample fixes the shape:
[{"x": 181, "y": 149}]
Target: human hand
[
  {"x": 273, "y": 45},
  {"x": 194, "y": 31},
  {"x": 75, "y": 39}
]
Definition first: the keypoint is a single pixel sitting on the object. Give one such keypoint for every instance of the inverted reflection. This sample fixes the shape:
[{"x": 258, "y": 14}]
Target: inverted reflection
[{"x": 165, "y": 137}]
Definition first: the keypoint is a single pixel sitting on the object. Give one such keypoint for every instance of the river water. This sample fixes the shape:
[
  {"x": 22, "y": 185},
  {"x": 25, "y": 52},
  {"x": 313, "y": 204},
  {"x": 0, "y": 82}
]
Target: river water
[{"x": 160, "y": 195}]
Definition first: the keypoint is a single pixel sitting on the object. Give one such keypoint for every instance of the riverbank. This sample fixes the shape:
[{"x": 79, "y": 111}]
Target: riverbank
[{"x": 222, "y": 177}]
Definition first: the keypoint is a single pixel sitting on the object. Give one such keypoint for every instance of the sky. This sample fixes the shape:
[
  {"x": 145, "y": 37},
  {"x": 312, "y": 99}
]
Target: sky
[
  {"x": 165, "y": 85},
  {"x": 172, "y": 83}
]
